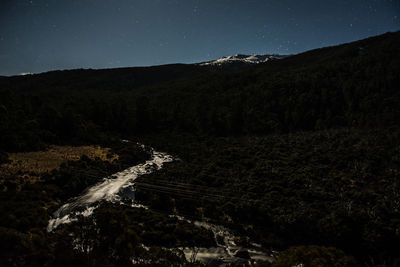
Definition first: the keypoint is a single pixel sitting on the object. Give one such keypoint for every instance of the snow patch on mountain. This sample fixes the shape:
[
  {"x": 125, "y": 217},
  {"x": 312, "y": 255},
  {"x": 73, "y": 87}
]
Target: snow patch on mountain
[{"x": 250, "y": 59}]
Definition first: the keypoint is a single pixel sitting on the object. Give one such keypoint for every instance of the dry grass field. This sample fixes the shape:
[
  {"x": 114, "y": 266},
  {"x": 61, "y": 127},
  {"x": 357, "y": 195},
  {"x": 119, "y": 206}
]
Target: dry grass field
[{"x": 28, "y": 166}]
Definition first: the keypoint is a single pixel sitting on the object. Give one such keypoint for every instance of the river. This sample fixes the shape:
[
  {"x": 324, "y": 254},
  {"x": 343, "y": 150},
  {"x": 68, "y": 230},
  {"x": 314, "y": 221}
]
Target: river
[{"x": 122, "y": 183}]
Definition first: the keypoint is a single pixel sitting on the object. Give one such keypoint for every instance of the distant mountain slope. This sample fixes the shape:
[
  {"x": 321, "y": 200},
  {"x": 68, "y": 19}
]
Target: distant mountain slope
[
  {"x": 119, "y": 79},
  {"x": 102, "y": 79},
  {"x": 372, "y": 48},
  {"x": 122, "y": 79},
  {"x": 350, "y": 85}
]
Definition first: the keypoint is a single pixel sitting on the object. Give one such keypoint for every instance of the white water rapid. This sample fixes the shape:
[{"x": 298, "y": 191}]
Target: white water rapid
[
  {"x": 108, "y": 190},
  {"x": 227, "y": 252}
]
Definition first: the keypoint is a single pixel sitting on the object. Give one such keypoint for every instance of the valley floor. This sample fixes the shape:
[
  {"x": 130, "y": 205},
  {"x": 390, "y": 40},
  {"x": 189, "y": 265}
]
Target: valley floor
[{"x": 316, "y": 197}]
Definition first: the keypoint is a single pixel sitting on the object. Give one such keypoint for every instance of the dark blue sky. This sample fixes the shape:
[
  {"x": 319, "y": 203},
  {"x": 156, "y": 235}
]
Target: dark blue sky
[{"x": 42, "y": 35}]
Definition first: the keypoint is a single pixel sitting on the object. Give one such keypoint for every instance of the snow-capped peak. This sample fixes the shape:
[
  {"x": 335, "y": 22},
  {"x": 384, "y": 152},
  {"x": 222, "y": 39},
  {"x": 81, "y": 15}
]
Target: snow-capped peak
[{"x": 251, "y": 59}]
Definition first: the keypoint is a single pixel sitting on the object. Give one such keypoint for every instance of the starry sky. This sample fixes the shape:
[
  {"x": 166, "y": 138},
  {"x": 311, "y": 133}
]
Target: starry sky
[{"x": 43, "y": 35}]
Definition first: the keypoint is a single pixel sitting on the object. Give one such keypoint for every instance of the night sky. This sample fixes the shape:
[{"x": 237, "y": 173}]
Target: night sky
[{"x": 42, "y": 35}]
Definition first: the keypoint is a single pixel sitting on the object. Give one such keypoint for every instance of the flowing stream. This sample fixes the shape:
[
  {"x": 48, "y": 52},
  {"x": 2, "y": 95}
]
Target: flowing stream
[
  {"x": 110, "y": 189},
  {"x": 121, "y": 184},
  {"x": 227, "y": 251}
]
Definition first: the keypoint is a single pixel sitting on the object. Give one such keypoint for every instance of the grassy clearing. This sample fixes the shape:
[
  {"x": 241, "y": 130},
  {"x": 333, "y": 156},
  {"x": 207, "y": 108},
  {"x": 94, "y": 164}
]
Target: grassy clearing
[{"x": 30, "y": 165}]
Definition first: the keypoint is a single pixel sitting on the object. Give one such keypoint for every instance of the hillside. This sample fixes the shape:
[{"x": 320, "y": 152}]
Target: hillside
[{"x": 351, "y": 85}]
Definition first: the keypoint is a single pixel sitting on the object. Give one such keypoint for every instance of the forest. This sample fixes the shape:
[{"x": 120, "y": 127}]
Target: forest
[{"x": 301, "y": 154}]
